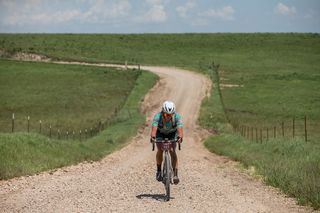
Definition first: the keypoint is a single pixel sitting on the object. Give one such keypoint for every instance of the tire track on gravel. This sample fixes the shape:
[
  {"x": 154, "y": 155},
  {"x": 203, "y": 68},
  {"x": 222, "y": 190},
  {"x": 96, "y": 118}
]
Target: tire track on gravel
[{"x": 125, "y": 180}]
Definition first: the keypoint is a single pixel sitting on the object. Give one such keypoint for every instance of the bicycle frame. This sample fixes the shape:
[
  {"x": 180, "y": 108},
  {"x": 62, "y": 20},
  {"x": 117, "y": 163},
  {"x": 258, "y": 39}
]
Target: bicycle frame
[{"x": 167, "y": 170}]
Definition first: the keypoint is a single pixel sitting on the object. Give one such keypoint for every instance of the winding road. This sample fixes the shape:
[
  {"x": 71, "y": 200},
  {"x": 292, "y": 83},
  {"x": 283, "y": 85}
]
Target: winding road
[{"x": 125, "y": 180}]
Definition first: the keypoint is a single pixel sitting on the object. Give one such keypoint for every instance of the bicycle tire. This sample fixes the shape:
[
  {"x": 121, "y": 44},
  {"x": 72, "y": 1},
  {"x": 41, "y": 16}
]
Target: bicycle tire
[{"x": 168, "y": 176}]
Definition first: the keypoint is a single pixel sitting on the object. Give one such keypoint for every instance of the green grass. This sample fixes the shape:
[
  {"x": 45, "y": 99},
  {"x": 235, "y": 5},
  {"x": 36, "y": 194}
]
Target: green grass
[
  {"x": 279, "y": 74},
  {"x": 269, "y": 97},
  {"x": 291, "y": 165},
  {"x": 68, "y": 97},
  {"x": 25, "y": 154}
]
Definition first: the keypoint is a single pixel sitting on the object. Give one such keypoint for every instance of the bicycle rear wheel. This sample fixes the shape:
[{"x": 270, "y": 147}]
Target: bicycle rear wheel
[{"x": 167, "y": 175}]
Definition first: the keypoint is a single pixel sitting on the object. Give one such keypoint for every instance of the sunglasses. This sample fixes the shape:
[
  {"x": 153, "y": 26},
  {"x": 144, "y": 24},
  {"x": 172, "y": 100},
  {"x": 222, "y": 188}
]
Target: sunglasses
[{"x": 167, "y": 115}]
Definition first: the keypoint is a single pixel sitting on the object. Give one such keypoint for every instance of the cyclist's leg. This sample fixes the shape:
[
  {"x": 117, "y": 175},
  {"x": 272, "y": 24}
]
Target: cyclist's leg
[
  {"x": 159, "y": 157},
  {"x": 174, "y": 157},
  {"x": 174, "y": 160}
]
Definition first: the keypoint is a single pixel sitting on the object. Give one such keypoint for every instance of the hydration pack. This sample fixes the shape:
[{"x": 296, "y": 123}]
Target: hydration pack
[{"x": 173, "y": 120}]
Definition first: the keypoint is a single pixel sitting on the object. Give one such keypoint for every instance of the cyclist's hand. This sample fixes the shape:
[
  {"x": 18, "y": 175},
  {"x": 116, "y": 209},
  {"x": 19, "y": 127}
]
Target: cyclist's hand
[
  {"x": 152, "y": 139},
  {"x": 179, "y": 139}
]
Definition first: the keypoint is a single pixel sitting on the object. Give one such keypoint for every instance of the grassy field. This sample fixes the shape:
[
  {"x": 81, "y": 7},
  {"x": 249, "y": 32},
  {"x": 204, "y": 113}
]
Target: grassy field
[
  {"x": 279, "y": 74},
  {"x": 290, "y": 165},
  {"x": 68, "y": 97},
  {"x": 286, "y": 163},
  {"x": 29, "y": 153},
  {"x": 275, "y": 77}
]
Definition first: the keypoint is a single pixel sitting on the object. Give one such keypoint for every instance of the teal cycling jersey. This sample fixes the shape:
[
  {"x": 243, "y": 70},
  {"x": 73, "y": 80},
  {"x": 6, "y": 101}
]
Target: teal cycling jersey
[{"x": 167, "y": 127}]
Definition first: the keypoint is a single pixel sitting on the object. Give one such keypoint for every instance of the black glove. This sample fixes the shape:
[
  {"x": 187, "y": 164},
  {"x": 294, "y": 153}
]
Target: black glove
[
  {"x": 179, "y": 139},
  {"x": 152, "y": 139}
]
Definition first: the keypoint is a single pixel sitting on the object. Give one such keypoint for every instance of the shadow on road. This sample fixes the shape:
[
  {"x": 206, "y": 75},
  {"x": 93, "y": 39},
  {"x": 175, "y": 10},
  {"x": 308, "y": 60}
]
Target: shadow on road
[{"x": 158, "y": 197}]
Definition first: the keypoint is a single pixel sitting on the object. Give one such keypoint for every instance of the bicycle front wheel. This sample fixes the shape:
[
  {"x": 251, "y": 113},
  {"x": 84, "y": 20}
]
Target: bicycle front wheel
[{"x": 167, "y": 176}]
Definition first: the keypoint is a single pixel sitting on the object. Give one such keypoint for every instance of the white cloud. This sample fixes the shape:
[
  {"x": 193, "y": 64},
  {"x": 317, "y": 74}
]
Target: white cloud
[
  {"x": 32, "y": 12},
  {"x": 154, "y": 2},
  {"x": 226, "y": 13},
  {"x": 155, "y": 14},
  {"x": 41, "y": 18},
  {"x": 284, "y": 9},
  {"x": 104, "y": 11},
  {"x": 183, "y": 10}
]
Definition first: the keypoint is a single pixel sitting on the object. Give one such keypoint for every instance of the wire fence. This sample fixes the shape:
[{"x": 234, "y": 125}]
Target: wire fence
[
  {"x": 296, "y": 128},
  {"x": 26, "y": 124},
  {"x": 47, "y": 129}
]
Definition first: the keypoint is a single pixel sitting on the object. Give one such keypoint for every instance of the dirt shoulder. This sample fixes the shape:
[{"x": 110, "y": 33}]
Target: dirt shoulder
[{"x": 125, "y": 180}]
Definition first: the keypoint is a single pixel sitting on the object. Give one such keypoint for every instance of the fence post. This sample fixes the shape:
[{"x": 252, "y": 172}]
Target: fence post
[
  {"x": 129, "y": 113},
  {"x": 138, "y": 66},
  {"x": 28, "y": 122},
  {"x": 80, "y": 134},
  {"x": 91, "y": 131},
  {"x": 86, "y": 133},
  {"x": 274, "y": 132},
  {"x": 246, "y": 132},
  {"x": 282, "y": 126},
  {"x": 67, "y": 135},
  {"x": 251, "y": 133},
  {"x": 12, "y": 122},
  {"x": 126, "y": 65},
  {"x": 243, "y": 131},
  {"x": 305, "y": 128},
  {"x": 267, "y": 133},
  {"x": 293, "y": 127},
  {"x": 50, "y": 130},
  {"x": 58, "y": 133},
  {"x": 256, "y": 134},
  {"x": 40, "y": 126},
  {"x": 261, "y": 135}
]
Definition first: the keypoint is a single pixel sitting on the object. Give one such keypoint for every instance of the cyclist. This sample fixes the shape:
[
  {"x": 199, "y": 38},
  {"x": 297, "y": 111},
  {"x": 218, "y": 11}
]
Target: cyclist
[{"x": 167, "y": 124}]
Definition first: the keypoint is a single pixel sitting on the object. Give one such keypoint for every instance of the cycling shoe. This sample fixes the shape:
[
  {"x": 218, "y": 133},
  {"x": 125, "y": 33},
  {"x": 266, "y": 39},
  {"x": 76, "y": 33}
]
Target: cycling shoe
[
  {"x": 176, "y": 180},
  {"x": 159, "y": 176}
]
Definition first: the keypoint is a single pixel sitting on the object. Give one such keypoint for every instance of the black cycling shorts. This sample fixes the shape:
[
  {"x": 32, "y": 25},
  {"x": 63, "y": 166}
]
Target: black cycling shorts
[{"x": 170, "y": 136}]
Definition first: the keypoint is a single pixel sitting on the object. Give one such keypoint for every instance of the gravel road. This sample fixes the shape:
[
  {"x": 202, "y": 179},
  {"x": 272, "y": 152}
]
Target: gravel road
[{"x": 125, "y": 180}]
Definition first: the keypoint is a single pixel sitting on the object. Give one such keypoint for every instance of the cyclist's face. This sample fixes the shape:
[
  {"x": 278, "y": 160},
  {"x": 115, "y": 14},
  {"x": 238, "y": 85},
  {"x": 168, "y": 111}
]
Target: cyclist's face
[{"x": 167, "y": 116}]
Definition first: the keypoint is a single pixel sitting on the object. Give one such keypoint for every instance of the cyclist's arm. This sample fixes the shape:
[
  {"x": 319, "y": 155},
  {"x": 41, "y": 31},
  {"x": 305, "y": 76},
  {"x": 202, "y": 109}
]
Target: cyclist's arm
[
  {"x": 180, "y": 132},
  {"x": 179, "y": 125},
  {"x": 154, "y": 131},
  {"x": 154, "y": 125}
]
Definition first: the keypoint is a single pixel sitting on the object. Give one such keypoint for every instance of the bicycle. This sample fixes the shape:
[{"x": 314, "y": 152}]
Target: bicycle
[{"x": 167, "y": 171}]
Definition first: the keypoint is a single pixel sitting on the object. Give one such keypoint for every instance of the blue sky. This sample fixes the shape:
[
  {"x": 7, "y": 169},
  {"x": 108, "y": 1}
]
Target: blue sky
[{"x": 153, "y": 16}]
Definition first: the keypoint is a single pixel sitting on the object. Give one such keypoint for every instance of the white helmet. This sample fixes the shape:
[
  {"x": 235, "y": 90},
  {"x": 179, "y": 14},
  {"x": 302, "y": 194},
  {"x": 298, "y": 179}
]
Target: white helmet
[{"x": 168, "y": 107}]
